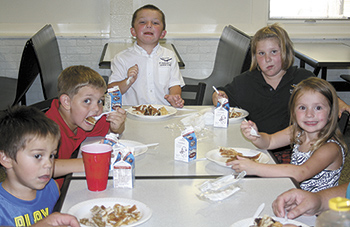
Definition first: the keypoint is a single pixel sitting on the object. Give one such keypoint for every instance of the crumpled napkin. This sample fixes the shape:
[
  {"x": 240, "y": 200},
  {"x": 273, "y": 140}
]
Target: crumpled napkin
[{"x": 219, "y": 188}]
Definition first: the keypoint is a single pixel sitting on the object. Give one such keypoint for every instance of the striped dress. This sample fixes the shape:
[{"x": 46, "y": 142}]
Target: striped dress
[{"x": 324, "y": 179}]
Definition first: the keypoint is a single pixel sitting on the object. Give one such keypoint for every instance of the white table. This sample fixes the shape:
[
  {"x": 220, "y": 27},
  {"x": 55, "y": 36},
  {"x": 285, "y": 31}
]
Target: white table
[
  {"x": 159, "y": 161},
  {"x": 111, "y": 49},
  {"x": 173, "y": 201}
]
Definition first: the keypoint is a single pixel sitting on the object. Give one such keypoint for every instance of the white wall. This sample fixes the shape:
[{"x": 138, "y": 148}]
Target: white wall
[
  {"x": 84, "y": 26},
  {"x": 184, "y": 18}
]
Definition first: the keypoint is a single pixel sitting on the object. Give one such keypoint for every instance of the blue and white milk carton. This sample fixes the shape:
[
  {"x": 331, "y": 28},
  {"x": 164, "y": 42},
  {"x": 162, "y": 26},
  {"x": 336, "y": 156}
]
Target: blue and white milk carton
[
  {"x": 113, "y": 99},
  {"x": 186, "y": 146},
  {"x": 124, "y": 168},
  {"x": 221, "y": 113}
]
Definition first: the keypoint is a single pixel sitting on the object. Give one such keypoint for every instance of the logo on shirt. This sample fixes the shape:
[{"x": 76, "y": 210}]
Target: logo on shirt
[{"x": 165, "y": 61}]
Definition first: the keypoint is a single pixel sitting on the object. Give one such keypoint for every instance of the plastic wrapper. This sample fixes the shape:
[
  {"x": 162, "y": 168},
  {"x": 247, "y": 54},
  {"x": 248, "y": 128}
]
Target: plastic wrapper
[{"x": 219, "y": 188}]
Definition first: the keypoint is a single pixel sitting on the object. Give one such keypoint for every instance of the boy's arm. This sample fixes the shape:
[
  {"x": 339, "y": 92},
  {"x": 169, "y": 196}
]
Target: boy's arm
[
  {"x": 67, "y": 166},
  {"x": 174, "y": 97},
  {"x": 125, "y": 84},
  {"x": 116, "y": 120}
]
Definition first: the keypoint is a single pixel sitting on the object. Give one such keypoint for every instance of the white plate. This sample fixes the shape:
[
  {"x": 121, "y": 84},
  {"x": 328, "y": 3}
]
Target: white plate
[
  {"x": 171, "y": 111},
  {"x": 240, "y": 118},
  {"x": 82, "y": 210},
  {"x": 130, "y": 143},
  {"x": 215, "y": 156},
  {"x": 248, "y": 221}
]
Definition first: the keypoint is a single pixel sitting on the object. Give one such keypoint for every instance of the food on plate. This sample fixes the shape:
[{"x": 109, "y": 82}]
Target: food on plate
[
  {"x": 150, "y": 110},
  {"x": 234, "y": 114},
  {"x": 91, "y": 120},
  {"x": 117, "y": 216},
  {"x": 266, "y": 221},
  {"x": 231, "y": 154}
]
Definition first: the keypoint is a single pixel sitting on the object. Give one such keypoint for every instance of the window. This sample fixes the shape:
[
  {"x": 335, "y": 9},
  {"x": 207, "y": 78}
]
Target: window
[{"x": 309, "y": 9}]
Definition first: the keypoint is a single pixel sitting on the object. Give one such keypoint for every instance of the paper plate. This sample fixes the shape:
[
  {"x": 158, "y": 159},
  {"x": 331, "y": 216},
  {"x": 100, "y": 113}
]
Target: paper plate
[
  {"x": 247, "y": 222},
  {"x": 82, "y": 210},
  {"x": 240, "y": 118},
  {"x": 215, "y": 156},
  {"x": 171, "y": 111}
]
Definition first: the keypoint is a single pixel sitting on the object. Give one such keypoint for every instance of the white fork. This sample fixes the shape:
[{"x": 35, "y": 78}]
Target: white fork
[{"x": 99, "y": 116}]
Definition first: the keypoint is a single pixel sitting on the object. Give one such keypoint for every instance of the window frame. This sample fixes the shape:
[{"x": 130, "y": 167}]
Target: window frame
[{"x": 305, "y": 20}]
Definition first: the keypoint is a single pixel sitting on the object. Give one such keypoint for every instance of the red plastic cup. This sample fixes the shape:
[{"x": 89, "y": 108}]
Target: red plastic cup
[{"x": 96, "y": 159}]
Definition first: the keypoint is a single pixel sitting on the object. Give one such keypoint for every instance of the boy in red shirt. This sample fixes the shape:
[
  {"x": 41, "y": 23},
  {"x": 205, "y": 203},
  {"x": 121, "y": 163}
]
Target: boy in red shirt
[{"x": 81, "y": 92}]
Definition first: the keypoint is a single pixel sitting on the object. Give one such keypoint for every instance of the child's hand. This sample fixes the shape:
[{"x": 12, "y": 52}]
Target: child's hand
[
  {"x": 175, "y": 100},
  {"x": 243, "y": 164},
  {"x": 216, "y": 97},
  {"x": 246, "y": 127},
  {"x": 132, "y": 74},
  {"x": 117, "y": 120}
]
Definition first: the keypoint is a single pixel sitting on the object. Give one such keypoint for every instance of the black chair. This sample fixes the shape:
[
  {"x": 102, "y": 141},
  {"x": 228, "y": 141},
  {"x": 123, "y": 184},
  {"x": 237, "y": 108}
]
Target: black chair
[
  {"x": 232, "y": 58},
  {"x": 40, "y": 56},
  {"x": 343, "y": 121},
  {"x": 193, "y": 94},
  {"x": 49, "y": 61}
]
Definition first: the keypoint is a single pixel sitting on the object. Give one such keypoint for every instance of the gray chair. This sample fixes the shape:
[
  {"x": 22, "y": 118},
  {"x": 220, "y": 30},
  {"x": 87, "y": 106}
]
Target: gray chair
[
  {"x": 40, "y": 56},
  {"x": 7, "y": 91},
  {"x": 193, "y": 94},
  {"x": 49, "y": 60},
  {"x": 232, "y": 58}
]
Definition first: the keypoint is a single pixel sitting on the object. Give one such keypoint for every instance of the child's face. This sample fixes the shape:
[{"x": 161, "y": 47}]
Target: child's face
[
  {"x": 87, "y": 102},
  {"x": 35, "y": 162},
  {"x": 268, "y": 56},
  {"x": 312, "y": 111},
  {"x": 148, "y": 27}
]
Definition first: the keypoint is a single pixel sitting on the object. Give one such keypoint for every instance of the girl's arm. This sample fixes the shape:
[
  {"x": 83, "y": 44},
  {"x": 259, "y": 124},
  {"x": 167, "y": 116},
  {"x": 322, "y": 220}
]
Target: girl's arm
[
  {"x": 266, "y": 141},
  {"x": 325, "y": 157}
]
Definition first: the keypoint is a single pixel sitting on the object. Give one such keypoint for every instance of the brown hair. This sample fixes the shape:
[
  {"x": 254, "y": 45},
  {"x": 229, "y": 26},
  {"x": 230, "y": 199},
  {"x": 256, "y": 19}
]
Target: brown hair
[
  {"x": 75, "y": 77},
  {"x": 331, "y": 129},
  {"x": 277, "y": 32},
  {"x": 151, "y": 7},
  {"x": 20, "y": 124}
]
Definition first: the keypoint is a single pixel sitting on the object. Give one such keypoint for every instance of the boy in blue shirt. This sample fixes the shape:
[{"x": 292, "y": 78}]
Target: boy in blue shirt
[{"x": 29, "y": 142}]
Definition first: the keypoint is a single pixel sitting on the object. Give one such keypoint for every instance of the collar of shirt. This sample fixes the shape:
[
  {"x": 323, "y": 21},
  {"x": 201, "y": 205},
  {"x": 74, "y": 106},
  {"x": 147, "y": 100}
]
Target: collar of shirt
[{"x": 142, "y": 51}]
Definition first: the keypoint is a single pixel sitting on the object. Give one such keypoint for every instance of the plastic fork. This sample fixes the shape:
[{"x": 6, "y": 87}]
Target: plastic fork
[
  {"x": 99, "y": 116},
  {"x": 253, "y": 132}
]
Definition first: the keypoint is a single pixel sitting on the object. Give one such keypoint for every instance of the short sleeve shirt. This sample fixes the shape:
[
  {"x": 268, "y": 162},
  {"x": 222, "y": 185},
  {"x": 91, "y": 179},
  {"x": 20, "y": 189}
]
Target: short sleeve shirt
[
  {"x": 158, "y": 72},
  {"x": 267, "y": 107},
  {"x": 17, "y": 212}
]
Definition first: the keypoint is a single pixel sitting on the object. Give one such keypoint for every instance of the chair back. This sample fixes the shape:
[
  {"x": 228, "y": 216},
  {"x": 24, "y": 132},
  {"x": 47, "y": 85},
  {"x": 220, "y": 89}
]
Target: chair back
[
  {"x": 343, "y": 121},
  {"x": 232, "y": 58},
  {"x": 28, "y": 71},
  {"x": 193, "y": 94},
  {"x": 48, "y": 58}
]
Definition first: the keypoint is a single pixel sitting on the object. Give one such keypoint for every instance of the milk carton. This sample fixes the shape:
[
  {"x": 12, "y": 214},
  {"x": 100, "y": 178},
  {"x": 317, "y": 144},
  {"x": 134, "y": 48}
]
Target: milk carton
[
  {"x": 124, "y": 168},
  {"x": 186, "y": 146},
  {"x": 113, "y": 99},
  {"x": 221, "y": 113}
]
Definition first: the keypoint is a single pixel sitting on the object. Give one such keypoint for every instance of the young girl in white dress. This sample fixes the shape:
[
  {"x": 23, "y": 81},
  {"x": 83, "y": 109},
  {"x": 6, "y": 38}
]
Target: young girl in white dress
[{"x": 318, "y": 146}]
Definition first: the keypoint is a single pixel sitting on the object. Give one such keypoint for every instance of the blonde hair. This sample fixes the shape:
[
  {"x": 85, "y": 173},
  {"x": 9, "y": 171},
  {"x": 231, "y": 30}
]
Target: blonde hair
[
  {"x": 75, "y": 77},
  {"x": 331, "y": 129},
  {"x": 274, "y": 31}
]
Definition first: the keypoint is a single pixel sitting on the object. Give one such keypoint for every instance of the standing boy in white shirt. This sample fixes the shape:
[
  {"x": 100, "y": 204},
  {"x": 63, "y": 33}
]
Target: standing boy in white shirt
[{"x": 147, "y": 73}]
